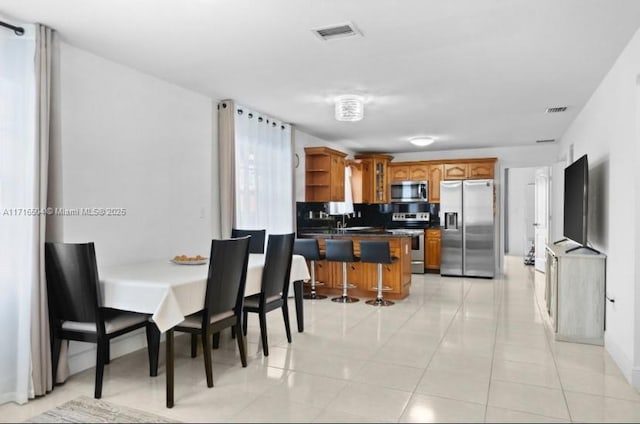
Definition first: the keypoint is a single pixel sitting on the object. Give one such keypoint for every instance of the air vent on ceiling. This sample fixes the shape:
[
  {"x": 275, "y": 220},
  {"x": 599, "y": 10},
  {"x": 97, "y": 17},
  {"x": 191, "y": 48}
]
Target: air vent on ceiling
[
  {"x": 333, "y": 32},
  {"x": 556, "y": 109},
  {"x": 547, "y": 140}
]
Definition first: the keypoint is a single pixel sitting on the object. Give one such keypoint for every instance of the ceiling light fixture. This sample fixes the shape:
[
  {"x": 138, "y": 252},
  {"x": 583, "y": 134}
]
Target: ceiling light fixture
[
  {"x": 421, "y": 141},
  {"x": 349, "y": 108}
]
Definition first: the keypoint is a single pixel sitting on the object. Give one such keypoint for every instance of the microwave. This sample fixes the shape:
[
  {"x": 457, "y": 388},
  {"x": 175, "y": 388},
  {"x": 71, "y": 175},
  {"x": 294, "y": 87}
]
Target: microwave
[{"x": 409, "y": 191}]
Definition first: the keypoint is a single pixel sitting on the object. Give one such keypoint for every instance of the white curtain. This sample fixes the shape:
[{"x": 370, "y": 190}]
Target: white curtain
[
  {"x": 263, "y": 172},
  {"x": 19, "y": 214}
]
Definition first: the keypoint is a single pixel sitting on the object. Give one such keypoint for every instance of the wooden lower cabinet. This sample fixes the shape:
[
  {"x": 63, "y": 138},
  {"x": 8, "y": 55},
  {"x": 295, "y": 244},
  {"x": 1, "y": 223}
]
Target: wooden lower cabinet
[
  {"x": 432, "y": 251},
  {"x": 364, "y": 275},
  {"x": 323, "y": 273}
]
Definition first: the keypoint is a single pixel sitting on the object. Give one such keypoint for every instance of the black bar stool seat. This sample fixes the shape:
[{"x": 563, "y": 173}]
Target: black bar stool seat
[
  {"x": 311, "y": 251},
  {"x": 342, "y": 251},
  {"x": 377, "y": 252}
]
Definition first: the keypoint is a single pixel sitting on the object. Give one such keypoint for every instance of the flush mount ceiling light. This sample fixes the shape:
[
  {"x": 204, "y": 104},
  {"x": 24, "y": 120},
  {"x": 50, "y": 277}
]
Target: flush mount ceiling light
[
  {"x": 421, "y": 141},
  {"x": 349, "y": 108}
]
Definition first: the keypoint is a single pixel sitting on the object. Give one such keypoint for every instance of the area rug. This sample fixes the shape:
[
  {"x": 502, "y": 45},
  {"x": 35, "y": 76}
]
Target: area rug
[{"x": 89, "y": 410}]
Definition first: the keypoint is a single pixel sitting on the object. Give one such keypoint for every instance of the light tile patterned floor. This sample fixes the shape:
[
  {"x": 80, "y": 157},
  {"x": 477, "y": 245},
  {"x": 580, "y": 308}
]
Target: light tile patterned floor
[{"x": 456, "y": 350}]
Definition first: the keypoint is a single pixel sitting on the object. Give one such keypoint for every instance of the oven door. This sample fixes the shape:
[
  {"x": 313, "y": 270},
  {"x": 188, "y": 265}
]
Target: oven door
[{"x": 417, "y": 249}]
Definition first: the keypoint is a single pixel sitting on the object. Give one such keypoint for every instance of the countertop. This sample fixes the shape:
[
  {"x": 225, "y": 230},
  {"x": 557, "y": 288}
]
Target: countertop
[{"x": 351, "y": 233}]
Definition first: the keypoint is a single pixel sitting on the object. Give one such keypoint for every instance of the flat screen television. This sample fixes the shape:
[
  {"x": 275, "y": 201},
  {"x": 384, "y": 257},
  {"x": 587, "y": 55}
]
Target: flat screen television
[{"x": 576, "y": 190}]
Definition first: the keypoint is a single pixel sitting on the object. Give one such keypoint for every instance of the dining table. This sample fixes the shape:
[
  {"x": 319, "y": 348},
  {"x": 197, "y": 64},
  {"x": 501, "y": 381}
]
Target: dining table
[{"x": 170, "y": 291}]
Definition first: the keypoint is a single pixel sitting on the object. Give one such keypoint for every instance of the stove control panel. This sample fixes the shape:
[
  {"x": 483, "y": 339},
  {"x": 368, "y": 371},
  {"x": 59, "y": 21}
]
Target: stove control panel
[{"x": 404, "y": 216}]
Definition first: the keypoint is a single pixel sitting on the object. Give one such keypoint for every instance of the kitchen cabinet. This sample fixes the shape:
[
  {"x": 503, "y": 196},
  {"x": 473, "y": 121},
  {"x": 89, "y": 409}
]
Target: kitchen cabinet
[
  {"x": 323, "y": 269},
  {"x": 481, "y": 170},
  {"x": 432, "y": 250},
  {"x": 575, "y": 293},
  {"x": 373, "y": 185},
  {"x": 398, "y": 172},
  {"x": 456, "y": 171},
  {"x": 419, "y": 172},
  {"x": 435, "y": 176},
  {"x": 324, "y": 174}
]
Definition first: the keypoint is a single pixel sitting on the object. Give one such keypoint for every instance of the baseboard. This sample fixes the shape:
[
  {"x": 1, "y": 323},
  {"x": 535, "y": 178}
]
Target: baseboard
[
  {"x": 635, "y": 377},
  {"x": 624, "y": 363},
  {"x": 81, "y": 358}
]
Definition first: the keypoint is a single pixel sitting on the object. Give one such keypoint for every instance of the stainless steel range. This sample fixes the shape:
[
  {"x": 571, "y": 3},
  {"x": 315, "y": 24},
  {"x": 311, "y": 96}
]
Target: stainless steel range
[{"x": 405, "y": 221}]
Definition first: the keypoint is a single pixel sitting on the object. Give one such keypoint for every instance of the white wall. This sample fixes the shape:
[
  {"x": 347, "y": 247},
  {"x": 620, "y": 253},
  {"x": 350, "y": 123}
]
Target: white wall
[
  {"x": 607, "y": 131},
  {"x": 520, "y": 208},
  {"x": 124, "y": 139}
]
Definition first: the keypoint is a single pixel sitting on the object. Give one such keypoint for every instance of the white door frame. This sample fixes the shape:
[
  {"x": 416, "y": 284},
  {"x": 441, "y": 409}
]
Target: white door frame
[{"x": 541, "y": 217}]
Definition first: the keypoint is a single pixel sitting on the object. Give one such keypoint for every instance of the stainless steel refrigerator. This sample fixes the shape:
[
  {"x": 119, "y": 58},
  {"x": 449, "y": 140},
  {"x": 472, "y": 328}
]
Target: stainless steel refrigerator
[{"x": 467, "y": 223}]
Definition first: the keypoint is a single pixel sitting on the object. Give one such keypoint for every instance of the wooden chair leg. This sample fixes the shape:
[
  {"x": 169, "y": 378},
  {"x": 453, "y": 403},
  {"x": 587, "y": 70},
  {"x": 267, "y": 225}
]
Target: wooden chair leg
[
  {"x": 107, "y": 352},
  {"x": 56, "y": 345},
  {"x": 100, "y": 360},
  {"x": 206, "y": 351},
  {"x": 242, "y": 346},
  {"x": 285, "y": 315},
  {"x": 194, "y": 345},
  {"x": 233, "y": 332},
  {"x": 245, "y": 318},
  {"x": 153, "y": 347},
  {"x": 263, "y": 332},
  {"x": 216, "y": 340}
]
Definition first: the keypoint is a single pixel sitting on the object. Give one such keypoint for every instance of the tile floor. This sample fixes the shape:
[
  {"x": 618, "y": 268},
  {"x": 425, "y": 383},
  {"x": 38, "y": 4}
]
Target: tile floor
[{"x": 456, "y": 350}]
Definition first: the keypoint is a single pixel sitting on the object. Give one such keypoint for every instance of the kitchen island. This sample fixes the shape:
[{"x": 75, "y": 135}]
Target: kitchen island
[{"x": 364, "y": 276}]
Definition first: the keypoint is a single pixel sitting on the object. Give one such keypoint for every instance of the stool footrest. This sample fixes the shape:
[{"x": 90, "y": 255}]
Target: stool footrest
[{"x": 384, "y": 288}]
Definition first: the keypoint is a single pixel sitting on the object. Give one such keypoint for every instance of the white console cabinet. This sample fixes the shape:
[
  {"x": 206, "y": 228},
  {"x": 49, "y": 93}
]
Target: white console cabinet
[{"x": 575, "y": 293}]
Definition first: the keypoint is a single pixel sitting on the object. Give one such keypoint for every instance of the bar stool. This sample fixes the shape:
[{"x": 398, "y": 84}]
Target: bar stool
[
  {"x": 377, "y": 252},
  {"x": 342, "y": 251},
  {"x": 311, "y": 252}
]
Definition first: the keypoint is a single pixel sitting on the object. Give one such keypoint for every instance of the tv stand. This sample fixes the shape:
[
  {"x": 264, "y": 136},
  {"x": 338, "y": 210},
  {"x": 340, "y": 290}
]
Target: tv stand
[
  {"x": 582, "y": 247},
  {"x": 575, "y": 295},
  {"x": 561, "y": 240}
]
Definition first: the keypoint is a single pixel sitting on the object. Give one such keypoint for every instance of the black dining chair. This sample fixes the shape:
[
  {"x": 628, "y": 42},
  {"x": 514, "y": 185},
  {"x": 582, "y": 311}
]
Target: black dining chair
[
  {"x": 256, "y": 245},
  {"x": 74, "y": 306},
  {"x": 223, "y": 301},
  {"x": 274, "y": 287}
]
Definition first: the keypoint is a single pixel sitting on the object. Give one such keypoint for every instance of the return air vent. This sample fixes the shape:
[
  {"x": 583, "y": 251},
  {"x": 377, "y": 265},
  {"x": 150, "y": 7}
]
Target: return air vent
[
  {"x": 333, "y": 32},
  {"x": 547, "y": 140},
  {"x": 556, "y": 109}
]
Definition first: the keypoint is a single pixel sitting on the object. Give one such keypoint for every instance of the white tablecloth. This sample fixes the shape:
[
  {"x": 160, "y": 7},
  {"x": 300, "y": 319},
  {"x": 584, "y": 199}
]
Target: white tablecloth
[{"x": 170, "y": 291}]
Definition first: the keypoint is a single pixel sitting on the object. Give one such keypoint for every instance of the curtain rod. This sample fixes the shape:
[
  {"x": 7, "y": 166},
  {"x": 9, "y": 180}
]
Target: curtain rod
[{"x": 17, "y": 30}]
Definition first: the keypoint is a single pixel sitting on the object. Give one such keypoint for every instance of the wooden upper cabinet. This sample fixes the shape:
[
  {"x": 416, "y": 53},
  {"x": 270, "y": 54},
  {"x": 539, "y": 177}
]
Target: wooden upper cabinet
[
  {"x": 324, "y": 174},
  {"x": 374, "y": 185},
  {"x": 419, "y": 172},
  {"x": 481, "y": 170},
  {"x": 398, "y": 172},
  {"x": 435, "y": 176},
  {"x": 456, "y": 171},
  {"x": 337, "y": 178}
]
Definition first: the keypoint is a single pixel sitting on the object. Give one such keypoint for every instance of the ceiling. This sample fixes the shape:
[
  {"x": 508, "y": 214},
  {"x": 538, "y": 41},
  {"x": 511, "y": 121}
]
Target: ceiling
[{"x": 471, "y": 73}]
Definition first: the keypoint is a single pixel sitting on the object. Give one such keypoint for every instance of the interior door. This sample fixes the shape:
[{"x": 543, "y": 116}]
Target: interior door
[{"x": 541, "y": 216}]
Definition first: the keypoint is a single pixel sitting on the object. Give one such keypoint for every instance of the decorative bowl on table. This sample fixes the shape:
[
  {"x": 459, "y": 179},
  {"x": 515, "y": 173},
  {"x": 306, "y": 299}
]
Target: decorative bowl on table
[{"x": 190, "y": 260}]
